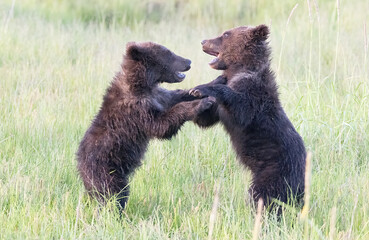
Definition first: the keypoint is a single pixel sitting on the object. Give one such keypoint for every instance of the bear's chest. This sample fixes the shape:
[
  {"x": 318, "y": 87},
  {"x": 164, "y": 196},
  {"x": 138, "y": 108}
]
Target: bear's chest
[{"x": 228, "y": 121}]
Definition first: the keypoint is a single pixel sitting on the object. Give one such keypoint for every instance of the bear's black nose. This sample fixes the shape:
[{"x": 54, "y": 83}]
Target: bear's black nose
[
  {"x": 203, "y": 42},
  {"x": 188, "y": 63}
]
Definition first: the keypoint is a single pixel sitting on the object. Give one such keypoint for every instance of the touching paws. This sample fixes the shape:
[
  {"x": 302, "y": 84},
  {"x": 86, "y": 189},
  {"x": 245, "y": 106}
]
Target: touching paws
[
  {"x": 201, "y": 91},
  {"x": 196, "y": 93}
]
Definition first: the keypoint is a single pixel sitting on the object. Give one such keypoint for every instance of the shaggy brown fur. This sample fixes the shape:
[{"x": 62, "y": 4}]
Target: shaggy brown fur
[
  {"x": 248, "y": 106},
  {"x": 134, "y": 110}
]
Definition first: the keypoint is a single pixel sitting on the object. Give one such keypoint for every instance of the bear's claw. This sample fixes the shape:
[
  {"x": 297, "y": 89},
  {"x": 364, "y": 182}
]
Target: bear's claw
[{"x": 195, "y": 93}]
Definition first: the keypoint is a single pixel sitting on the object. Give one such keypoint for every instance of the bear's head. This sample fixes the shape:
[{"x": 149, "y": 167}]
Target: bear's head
[
  {"x": 159, "y": 63},
  {"x": 239, "y": 46}
]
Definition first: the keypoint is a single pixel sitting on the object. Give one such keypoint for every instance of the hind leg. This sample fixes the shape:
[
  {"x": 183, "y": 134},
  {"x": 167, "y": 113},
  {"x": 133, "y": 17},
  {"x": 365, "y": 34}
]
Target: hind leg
[
  {"x": 275, "y": 195},
  {"x": 257, "y": 192},
  {"x": 103, "y": 183},
  {"x": 122, "y": 196}
]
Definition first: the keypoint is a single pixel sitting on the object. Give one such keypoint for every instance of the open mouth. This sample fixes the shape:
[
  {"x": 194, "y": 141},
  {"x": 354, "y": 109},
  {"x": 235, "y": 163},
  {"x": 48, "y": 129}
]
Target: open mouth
[
  {"x": 212, "y": 53},
  {"x": 179, "y": 74}
]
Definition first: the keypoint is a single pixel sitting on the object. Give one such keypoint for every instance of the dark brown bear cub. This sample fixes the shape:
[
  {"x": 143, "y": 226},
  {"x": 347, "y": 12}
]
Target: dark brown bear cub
[
  {"x": 134, "y": 110},
  {"x": 248, "y": 105}
]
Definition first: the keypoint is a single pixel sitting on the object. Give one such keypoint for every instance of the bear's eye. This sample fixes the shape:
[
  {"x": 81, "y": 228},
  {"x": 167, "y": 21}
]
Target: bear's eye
[{"x": 225, "y": 35}]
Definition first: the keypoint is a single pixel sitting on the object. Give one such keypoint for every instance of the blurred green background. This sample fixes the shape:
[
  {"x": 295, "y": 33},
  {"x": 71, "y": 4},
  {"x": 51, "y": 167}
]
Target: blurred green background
[{"x": 58, "y": 57}]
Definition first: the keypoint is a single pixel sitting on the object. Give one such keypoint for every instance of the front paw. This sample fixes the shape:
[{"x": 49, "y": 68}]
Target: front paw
[
  {"x": 201, "y": 91},
  {"x": 206, "y": 103},
  {"x": 196, "y": 93}
]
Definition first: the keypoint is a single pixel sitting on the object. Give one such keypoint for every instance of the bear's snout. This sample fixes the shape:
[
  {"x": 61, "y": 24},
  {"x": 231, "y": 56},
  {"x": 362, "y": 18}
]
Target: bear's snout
[{"x": 188, "y": 64}]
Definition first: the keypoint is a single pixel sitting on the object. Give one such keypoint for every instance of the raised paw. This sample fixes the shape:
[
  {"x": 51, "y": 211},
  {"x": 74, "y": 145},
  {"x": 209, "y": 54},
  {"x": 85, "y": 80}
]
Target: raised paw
[
  {"x": 202, "y": 91},
  {"x": 206, "y": 103},
  {"x": 196, "y": 93}
]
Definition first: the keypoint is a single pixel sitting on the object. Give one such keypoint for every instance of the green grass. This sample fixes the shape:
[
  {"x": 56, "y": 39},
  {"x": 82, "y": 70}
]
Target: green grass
[{"x": 58, "y": 57}]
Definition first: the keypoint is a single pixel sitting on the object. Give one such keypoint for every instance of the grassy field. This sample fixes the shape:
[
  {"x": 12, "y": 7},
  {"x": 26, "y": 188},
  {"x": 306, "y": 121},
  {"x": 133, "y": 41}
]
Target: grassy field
[{"x": 58, "y": 57}]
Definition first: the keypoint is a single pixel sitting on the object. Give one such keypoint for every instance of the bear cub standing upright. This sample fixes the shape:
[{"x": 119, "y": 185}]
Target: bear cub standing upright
[
  {"x": 249, "y": 108},
  {"x": 134, "y": 110}
]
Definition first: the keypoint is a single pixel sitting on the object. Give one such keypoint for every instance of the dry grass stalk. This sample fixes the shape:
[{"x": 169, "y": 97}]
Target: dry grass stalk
[
  {"x": 257, "y": 225},
  {"x": 213, "y": 214}
]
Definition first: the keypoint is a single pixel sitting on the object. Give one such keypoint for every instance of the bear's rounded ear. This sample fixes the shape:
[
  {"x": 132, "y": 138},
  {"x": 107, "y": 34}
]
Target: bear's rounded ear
[
  {"x": 261, "y": 32},
  {"x": 133, "y": 51}
]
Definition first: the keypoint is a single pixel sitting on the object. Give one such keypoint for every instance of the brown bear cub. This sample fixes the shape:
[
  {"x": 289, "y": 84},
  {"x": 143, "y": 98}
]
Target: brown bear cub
[
  {"x": 249, "y": 108},
  {"x": 134, "y": 110}
]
